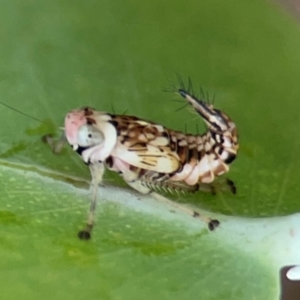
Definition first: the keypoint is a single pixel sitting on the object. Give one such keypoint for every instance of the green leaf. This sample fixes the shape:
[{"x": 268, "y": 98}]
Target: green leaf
[{"x": 118, "y": 56}]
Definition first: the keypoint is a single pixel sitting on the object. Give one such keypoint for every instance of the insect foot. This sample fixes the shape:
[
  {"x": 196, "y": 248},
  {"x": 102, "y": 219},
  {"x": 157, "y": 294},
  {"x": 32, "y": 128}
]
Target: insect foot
[
  {"x": 231, "y": 185},
  {"x": 213, "y": 224},
  {"x": 56, "y": 145},
  {"x": 86, "y": 233}
]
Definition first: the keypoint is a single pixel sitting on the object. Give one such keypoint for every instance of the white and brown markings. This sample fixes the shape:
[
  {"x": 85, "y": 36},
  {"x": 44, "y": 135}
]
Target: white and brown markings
[{"x": 150, "y": 156}]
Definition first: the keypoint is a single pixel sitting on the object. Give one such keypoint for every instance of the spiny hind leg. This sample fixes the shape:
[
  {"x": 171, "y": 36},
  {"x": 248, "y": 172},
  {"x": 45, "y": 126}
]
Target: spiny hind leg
[
  {"x": 138, "y": 186},
  {"x": 212, "y": 223},
  {"x": 97, "y": 171},
  {"x": 56, "y": 145}
]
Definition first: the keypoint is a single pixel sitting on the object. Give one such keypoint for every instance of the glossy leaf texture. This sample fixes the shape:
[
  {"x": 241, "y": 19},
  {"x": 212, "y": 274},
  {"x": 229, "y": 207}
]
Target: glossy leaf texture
[{"x": 118, "y": 56}]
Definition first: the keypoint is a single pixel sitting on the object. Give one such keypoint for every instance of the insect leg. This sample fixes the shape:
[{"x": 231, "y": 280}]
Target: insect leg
[
  {"x": 56, "y": 145},
  {"x": 231, "y": 185},
  {"x": 212, "y": 223},
  {"x": 142, "y": 188},
  {"x": 222, "y": 184},
  {"x": 97, "y": 171}
]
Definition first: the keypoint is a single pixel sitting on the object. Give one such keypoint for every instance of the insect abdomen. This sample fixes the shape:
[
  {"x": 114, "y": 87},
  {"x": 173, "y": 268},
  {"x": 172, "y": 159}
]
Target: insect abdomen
[{"x": 203, "y": 157}]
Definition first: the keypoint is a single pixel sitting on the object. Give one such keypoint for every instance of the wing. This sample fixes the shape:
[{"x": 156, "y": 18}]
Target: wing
[{"x": 144, "y": 145}]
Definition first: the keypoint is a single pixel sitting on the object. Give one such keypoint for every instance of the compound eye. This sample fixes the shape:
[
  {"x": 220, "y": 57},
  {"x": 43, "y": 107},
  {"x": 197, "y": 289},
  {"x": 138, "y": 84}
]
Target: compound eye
[{"x": 88, "y": 136}]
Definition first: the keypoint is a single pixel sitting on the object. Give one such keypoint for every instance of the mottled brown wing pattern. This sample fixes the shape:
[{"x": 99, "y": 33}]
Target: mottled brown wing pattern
[
  {"x": 152, "y": 142},
  {"x": 136, "y": 135},
  {"x": 147, "y": 141}
]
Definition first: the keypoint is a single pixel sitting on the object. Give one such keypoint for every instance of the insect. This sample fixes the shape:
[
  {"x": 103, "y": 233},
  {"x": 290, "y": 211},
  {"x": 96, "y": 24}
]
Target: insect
[{"x": 150, "y": 156}]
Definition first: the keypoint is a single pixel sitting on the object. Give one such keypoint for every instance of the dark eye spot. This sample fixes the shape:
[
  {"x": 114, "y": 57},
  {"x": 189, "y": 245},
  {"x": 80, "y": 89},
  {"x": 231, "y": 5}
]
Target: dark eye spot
[
  {"x": 81, "y": 149},
  {"x": 90, "y": 136}
]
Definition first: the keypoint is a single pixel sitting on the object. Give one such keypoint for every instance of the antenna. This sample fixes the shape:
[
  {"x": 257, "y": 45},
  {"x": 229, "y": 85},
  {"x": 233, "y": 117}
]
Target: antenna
[{"x": 24, "y": 114}]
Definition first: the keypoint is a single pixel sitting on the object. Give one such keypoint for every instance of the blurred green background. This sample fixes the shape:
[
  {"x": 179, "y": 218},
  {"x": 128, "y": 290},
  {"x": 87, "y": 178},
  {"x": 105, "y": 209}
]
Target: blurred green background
[{"x": 120, "y": 55}]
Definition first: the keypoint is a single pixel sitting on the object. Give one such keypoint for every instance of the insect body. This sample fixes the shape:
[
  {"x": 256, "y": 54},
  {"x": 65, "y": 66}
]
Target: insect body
[{"x": 148, "y": 155}]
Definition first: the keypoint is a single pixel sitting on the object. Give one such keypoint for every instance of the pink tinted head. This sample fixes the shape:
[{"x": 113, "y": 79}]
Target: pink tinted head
[{"x": 73, "y": 121}]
